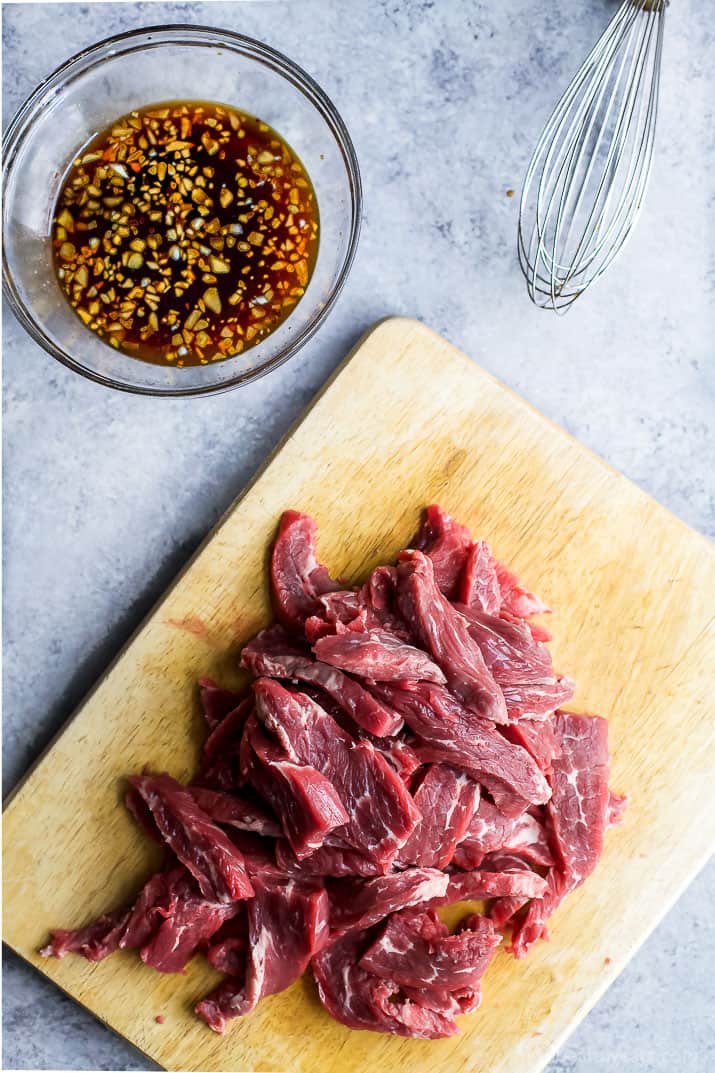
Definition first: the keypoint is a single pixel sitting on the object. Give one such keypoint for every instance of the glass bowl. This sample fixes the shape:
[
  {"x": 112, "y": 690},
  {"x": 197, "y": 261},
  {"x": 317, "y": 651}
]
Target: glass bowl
[{"x": 131, "y": 71}]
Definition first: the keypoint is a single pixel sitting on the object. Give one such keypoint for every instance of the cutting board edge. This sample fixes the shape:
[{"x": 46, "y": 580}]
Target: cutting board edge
[
  {"x": 621, "y": 962},
  {"x": 561, "y": 432}
]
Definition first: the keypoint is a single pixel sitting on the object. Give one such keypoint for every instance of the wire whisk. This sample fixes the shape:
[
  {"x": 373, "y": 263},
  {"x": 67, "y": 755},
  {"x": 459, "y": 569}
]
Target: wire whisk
[{"x": 585, "y": 185}]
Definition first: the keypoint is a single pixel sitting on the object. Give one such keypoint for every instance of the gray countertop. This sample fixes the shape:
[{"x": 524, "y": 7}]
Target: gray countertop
[{"x": 106, "y": 495}]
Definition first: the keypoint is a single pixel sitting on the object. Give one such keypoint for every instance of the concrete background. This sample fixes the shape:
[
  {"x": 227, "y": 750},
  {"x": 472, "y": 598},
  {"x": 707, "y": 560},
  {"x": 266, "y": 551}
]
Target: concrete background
[{"x": 107, "y": 495}]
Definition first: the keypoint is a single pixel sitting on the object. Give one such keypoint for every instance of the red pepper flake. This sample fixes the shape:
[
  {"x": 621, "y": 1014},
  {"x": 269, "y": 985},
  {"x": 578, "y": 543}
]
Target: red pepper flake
[
  {"x": 607, "y": 961},
  {"x": 160, "y": 1019}
]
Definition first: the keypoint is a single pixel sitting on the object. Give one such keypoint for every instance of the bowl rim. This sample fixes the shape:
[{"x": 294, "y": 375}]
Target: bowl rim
[{"x": 21, "y": 124}]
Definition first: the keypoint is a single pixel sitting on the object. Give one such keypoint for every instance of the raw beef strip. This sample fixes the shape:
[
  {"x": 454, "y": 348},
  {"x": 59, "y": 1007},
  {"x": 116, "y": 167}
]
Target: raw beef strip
[
  {"x": 219, "y": 767},
  {"x": 372, "y": 606},
  {"x": 446, "y": 543},
  {"x": 358, "y": 999},
  {"x": 402, "y": 756},
  {"x": 215, "y": 863},
  {"x": 539, "y": 633},
  {"x": 491, "y": 830},
  {"x": 154, "y": 903},
  {"x": 123, "y": 928},
  {"x": 343, "y": 608},
  {"x": 226, "y": 951},
  {"x": 478, "y": 886},
  {"x": 478, "y": 585},
  {"x": 420, "y": 696},
  {"x": 139, "y": 809},
  {"x": 327, "y": 861},
  {"x": 378, "y": 655},
  {"x": 512, "y": 779},
  {"x": 380, "y": 591},
  {"x": 440, "y": 1000},
  {"x": 298, "y": 579},
  {"x": 539, "y": 739},
  {"x": 358, "y": 903},
  {"x": 445, "y": 633},
  {"x": 515, "y": 599},
  {"x": 259, "y": 854},
  {"x": 307, "y": 802},
  {"x": 487, "y": 585},
  {"x": 216, "y": 703},
  {"x": 169, "y": 920},
  {"x": 520, "y": 666},
  {"x": 415, "y": 950},
  {"x": 95, "y": 941},
  {"x": 451, "y": 734},
  {"x": 378, "y": 603},
  {"x": 236, "y": 810},
  {"x": 226, "y": 734},
  {"x": 188, "y": 923},
  {"x": 447, "y": 799},
  {"x": 382, "y": 814},
  {"x": 287, "y": 925},
  {"x": 503, "y": 909},
  {"x": 273, "y": 654},
  {"x": 578, "y": 816}
]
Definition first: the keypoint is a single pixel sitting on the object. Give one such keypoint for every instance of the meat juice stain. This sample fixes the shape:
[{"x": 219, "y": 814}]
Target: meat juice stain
[{"x": 185, "y": 233}]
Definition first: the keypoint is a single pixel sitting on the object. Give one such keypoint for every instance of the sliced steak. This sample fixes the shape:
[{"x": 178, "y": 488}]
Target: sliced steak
[
  {"x": 444, "y": 633},
  {"x": 226, "y": 952},
  {"x": 94, "y": 941},
  {"x": 287, "y": 925},
  {"x": 307, "y": 802},
  {"x": 478, "y": 886},
  {"x": 273, "y": 654},
  {"x": 329, "y": 860},
  {"x": 188, "y": 923},
  {"x": 378, "y": 655},
  {"x": 447, "y": 799},
  {"x": 515, "y": 599},
  {"x": 447, "y": 544},
  {"x": 216, "y": 703},
  {"x": 578, "y": 815},
  {"x": 539, "y": 738},
  {"x": 225, "y": 735},
  {"x": 359, "y": 903},
  {"x": 520, "y": 666},
  {"x": 451, "y": 734},
  {"x": 503, "y": 909},
  {"x": 214, "y": 862},
  {"x": 381, "y": 812},
  {"x": 359, "y": 999},
  {"x": 298, "y": 580},
  {"x": 169, "y": 920},
  {"x": 415, "y": 950},
  {"x": 486, "y": 585},
  {"x": 478, "y": 584},
  {"x": 236, "y": 810},
  {"x": 490, "y": 830}
]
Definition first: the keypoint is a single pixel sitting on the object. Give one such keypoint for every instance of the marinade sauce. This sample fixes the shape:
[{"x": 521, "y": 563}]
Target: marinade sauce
[{"x": 185, "y": 233}]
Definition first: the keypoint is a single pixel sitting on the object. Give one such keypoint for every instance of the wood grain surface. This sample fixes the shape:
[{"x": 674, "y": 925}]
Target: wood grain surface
[{"x": 407, "y": 421}]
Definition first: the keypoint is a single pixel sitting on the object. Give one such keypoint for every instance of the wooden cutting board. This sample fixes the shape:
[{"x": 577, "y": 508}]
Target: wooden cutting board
[{"x": 406, "y": 421}]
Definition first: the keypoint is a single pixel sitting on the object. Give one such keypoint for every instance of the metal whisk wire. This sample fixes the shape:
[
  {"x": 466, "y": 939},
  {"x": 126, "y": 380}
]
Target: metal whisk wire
[{"x": 586, "y": 181}]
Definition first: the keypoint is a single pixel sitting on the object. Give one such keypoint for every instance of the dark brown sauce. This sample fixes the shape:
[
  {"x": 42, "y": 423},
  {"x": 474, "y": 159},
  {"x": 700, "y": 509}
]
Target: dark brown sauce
[{"x": 185, "y": 233}]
